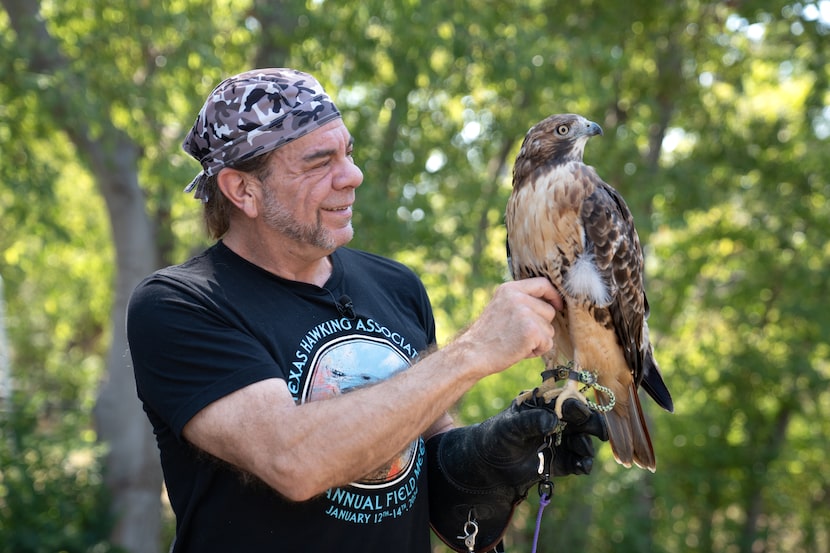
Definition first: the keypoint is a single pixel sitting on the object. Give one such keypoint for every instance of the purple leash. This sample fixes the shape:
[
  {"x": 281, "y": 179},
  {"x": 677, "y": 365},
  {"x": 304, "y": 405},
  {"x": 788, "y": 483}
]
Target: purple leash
[{"x": 545, "y": 495}]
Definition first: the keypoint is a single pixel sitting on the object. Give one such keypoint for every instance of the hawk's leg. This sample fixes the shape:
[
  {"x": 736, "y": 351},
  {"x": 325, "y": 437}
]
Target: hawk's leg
[{"x": 550, "y": 390}]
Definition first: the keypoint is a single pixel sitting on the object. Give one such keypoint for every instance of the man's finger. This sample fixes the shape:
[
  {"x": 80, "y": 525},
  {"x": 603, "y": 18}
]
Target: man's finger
[{"x": 543, "y": 289}]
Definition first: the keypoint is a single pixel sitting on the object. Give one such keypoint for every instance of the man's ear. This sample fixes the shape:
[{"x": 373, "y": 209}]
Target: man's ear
[{"x": 241, "y": 189}]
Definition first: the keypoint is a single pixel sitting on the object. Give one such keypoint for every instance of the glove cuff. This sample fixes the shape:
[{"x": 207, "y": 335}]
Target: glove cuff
[{"x": 458, "y": 493}]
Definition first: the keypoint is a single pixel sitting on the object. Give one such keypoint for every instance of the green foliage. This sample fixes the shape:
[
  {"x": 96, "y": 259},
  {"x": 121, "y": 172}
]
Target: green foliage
[
  {"x": 51, "y": 497},
  {"x": 57, "y": 279},
  {"x": 716, "y": 131}
]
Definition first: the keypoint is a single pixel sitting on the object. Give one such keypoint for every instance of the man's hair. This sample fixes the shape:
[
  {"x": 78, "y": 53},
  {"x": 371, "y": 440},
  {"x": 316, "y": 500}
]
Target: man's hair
[{"x": 218, "y": 209}]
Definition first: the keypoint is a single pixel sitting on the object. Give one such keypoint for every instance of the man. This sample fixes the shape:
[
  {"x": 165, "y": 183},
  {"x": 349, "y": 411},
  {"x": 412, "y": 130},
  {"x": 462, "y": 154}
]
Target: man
[{"x": 286, "y": 376}]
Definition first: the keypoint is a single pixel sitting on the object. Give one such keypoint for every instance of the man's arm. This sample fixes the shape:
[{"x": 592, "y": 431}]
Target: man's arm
[{"x": 303, "y": 450}]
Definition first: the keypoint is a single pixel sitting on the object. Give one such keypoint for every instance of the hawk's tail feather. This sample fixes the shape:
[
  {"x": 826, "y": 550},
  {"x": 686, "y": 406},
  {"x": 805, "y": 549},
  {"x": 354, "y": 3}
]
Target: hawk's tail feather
[{"x": 628, "y": 434}]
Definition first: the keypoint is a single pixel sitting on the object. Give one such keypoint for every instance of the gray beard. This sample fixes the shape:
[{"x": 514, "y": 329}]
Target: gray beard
[{"x": 281, "y": 220}]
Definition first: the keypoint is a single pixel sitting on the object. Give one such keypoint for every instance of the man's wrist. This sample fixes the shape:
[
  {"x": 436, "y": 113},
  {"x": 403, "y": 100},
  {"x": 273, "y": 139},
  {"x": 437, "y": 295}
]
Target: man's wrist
[{"x": 464, "y": 353}]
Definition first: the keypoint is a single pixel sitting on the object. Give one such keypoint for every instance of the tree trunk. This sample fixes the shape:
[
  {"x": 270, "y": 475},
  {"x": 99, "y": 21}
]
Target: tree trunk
[
  {"x": 132, "y": 469},
  {"x": 279, "y": 22},
  {"x": 749, "y": 541}
]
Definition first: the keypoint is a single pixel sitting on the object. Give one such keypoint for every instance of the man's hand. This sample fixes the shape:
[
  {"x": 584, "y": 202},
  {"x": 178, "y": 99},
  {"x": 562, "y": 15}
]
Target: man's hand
[{"x": 515, "y": 325}]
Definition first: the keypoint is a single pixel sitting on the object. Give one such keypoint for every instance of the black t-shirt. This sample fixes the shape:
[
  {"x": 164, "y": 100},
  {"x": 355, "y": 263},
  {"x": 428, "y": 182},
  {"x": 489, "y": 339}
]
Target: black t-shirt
[{"x": 217, "y": 323}]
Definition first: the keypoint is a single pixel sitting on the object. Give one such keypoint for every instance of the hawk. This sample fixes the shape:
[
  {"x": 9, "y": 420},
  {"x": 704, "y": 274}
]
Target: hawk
[{"x": 565, "y": 223}]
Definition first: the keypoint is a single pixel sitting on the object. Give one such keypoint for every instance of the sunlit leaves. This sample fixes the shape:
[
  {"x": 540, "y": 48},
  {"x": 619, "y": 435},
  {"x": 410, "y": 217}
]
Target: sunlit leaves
[{"x": 716, "y": 127}]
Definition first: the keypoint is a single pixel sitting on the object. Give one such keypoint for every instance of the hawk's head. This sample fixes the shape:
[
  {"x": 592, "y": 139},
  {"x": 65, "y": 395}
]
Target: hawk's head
[{"x": 558, "y": 139}]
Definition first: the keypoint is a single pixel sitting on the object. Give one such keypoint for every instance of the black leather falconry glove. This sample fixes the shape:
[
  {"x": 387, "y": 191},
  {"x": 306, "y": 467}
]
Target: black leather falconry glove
[{"x": 481, "y": 472}]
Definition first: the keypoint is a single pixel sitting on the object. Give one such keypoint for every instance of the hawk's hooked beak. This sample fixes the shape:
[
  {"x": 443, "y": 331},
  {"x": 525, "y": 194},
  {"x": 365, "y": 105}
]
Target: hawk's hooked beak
[{"x": 592, "y": 129}]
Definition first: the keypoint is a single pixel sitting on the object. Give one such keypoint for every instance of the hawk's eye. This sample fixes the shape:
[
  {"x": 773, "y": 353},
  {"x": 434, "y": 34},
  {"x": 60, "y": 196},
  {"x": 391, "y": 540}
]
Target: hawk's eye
[{"x": 562, "y": 130}]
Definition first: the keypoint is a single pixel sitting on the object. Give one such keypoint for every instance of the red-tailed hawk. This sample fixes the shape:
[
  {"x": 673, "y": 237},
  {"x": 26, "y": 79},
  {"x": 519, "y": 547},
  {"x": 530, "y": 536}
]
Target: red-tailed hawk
[{"x": 566, "y": 224}]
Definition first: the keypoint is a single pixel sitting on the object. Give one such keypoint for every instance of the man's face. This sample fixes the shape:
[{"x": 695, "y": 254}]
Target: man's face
[{"x": 309, "y": 193}]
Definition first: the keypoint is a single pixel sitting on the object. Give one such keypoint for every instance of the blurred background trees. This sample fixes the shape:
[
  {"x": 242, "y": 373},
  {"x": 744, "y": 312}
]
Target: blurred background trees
[{"x": 716, "y": 126}]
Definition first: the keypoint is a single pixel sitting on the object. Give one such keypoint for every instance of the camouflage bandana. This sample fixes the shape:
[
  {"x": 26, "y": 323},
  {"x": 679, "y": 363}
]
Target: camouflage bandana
[{"x": 253, "y": 113}]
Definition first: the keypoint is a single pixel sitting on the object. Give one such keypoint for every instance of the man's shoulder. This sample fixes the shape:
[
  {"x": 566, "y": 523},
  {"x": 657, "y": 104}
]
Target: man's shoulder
[
  {"x": 200, "y": 266},
  {"x": 370, "y": 261},
  {"x": 183, "y": 276}
]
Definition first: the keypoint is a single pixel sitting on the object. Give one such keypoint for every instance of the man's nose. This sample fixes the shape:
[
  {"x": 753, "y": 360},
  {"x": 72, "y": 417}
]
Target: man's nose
[{"x": 349, "y": 175}]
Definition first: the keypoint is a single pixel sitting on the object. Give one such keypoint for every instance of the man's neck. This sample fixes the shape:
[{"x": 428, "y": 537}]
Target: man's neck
[{"x": 286, "y": 260}]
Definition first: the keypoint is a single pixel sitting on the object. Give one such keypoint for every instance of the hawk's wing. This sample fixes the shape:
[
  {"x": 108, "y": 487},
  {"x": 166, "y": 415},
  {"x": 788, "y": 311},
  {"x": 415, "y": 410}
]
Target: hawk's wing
[
  {"x": 609, "y": 225},
  {"x": 611, "y": 236}
]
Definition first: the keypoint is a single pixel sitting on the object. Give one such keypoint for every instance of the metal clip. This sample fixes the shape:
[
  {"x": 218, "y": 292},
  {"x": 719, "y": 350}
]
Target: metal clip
[
  {"x": 543, "y": 469},
  {"x": 545, "y": 489},
  {"x": 470, "y": 532}
]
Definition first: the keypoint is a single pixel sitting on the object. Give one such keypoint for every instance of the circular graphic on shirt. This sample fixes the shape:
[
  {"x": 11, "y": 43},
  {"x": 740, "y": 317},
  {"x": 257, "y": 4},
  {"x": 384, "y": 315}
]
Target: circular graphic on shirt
[{"x": 347, "y": 364}]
